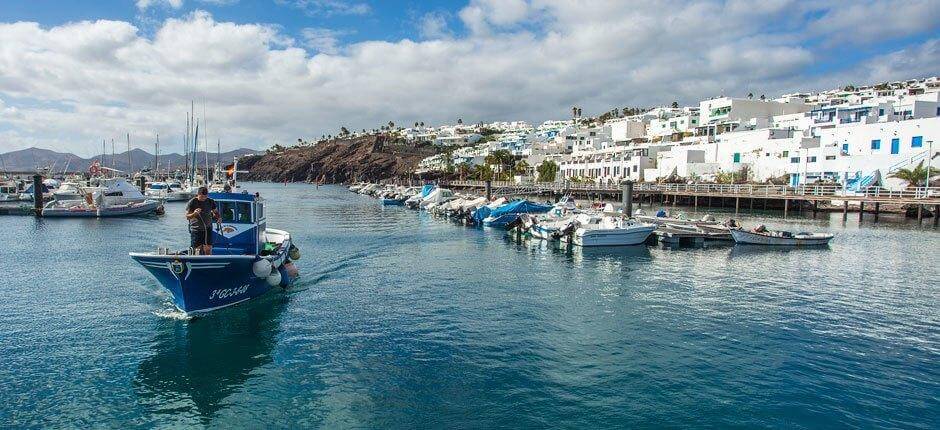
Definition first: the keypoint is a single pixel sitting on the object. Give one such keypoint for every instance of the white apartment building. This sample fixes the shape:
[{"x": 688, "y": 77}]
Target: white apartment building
[
  {"x": 724, "y": 114},
  {"x": 611, "y": 164},
  {"x": 673, "y": 126},
  {"x": 627, "y": 129}
]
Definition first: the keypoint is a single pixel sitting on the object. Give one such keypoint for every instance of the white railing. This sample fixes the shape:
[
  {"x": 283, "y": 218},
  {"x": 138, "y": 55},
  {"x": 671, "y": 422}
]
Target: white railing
[{"x": 741, "y": 190}]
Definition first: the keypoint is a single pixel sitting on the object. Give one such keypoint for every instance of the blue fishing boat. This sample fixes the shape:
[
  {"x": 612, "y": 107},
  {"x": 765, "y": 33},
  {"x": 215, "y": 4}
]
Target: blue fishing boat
[{"x": 248, "y": 259}]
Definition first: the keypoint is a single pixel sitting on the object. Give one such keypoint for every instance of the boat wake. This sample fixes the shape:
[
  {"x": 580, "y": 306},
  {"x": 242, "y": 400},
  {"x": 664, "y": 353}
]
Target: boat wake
[{"x": 171, "y": 312}]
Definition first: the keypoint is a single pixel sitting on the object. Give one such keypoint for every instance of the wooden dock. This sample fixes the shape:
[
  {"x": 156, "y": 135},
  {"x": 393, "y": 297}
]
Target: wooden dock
[{"x": 739, "y": 196}]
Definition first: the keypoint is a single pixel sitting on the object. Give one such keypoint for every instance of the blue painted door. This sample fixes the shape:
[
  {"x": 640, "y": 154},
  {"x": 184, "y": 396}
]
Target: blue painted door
[{"x": 895, "y": 146}]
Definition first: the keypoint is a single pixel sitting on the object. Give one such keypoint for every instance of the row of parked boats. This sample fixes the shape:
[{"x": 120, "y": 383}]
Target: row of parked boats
[
  {"x": 103, "y": 196},
  {"x": 565, "y": 221}
]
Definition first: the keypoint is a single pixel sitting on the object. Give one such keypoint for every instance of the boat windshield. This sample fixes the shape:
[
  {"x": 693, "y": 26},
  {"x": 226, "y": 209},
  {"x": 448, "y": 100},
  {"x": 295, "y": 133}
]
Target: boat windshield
[{"x": 235, "y": 212}]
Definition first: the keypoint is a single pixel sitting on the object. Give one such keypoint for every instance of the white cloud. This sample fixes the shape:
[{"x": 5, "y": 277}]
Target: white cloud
[
  {"x": 69, "y": 86},
  {"x": 323, "y": 40},
  {"x": 144, "y": 4},
  {"x": 433, "y": 25}
]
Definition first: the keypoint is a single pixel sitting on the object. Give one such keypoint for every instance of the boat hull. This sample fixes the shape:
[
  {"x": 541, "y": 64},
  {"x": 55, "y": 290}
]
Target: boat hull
[
  {"x": 83, "y": 211},
  {"x": 612, "y": 237},
  {"x": 393, "y": 202},
  {"x": 748, "y": 238},
  {"x": 200, "y": 284}
]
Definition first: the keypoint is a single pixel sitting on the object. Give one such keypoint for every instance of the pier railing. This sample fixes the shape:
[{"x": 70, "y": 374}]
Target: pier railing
[{"x": 730, "y": 190}]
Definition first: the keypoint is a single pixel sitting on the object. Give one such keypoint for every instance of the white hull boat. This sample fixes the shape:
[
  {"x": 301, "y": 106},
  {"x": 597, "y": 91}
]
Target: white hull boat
[
  {"x": 780, "y": 238},
  {"x": 602, "y": 230},
  {"x": 81, "y": 209}
]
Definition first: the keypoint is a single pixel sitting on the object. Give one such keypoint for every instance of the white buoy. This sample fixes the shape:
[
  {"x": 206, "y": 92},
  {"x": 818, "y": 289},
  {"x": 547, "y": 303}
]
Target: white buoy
[
  {"x": 261, "y": 268},
  {"x": 274, "y": 279}
]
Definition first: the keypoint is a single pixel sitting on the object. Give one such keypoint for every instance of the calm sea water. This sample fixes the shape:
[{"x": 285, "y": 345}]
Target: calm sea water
[{"x": 402, "y": 321}]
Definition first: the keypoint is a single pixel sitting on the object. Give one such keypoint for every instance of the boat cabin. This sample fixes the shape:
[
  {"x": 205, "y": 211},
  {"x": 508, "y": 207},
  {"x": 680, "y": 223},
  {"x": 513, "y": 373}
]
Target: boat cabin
[{"x": 243, "y": 224}]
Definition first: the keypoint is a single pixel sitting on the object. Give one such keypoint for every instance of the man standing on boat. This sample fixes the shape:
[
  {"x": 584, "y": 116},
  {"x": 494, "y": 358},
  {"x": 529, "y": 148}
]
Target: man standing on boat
[{"x": 201, "y": 211}]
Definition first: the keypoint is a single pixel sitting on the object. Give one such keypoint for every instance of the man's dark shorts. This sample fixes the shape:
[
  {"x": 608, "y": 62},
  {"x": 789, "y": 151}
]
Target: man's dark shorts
[{"x": 199, "y": 238}]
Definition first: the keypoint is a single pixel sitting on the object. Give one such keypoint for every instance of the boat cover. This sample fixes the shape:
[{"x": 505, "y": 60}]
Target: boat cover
[
  {"x": 425, "y": 190},
  {"x": 520, "y": 207}
]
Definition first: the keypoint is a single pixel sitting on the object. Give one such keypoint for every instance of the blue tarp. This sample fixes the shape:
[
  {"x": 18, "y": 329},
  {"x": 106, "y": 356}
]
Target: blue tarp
[
  {"x": 480, "y": 213},
  {"x": 425, "y": 190},
  {"x": 520, "y": 207}
]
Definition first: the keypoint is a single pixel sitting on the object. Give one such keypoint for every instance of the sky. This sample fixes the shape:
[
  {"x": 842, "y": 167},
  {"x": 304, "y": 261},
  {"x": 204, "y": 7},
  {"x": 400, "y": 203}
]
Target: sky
[{"x": 262, "y": 72}]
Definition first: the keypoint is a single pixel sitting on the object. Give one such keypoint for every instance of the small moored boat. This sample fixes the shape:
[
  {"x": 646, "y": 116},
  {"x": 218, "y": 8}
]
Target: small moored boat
[{"x": 762, "y": 236}]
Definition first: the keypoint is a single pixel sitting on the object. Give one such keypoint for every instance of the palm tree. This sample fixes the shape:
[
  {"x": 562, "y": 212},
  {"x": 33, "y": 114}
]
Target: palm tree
[
  {"x": 750, "y": 96},
  {"x": 916, "y": 176},
  {"x": 675, "y": 105},
  {"x": 391, "y": 125},
  {"x": 547, "y": 171},
  {"x": 574, "y": 111},
  {"x": 521, "y": 168},
  {"x": 460, "y": 121},
  {"x": 464, "y": 169}
]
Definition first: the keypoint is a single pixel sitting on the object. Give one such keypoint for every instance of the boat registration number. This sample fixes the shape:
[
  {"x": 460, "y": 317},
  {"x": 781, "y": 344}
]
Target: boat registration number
[{"x": 228, "y": 292}]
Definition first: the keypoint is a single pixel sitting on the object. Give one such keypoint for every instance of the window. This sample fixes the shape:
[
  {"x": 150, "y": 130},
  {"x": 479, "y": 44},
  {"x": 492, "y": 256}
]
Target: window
[
  {"x": 938, "y": 111},
  {"x": 794, "y": 159},
  {"x": 634, "y": 168},
  {"x": 830, "y": 157},
  {"x": 786, "y": 153},
  {"x": 244, "y": 212},
  {"x": 227, "y": 211},
  {"x": 845, "y": 148},
  {"x": 876, "y": 144},
  {"x": 259, "y": 211},
  {"x": 895, "y": 146},
  {"x": 917, "y": 142},
  {"x": 881, "y": 112},
  {"x": 737, "y": 157},
  {"x": 811, "y": 159}
]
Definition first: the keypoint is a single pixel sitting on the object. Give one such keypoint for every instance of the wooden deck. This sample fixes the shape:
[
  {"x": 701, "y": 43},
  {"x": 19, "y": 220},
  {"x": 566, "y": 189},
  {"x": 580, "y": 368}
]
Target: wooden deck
[{"x": 924, "y": 199}]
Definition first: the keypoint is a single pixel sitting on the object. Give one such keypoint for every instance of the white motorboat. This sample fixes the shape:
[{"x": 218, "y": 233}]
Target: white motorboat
[
  {"x": 762, "y": 236},
  {"x": 167, "y": 191},
  {"x": 605, "y": 230},
  {"x": 116, "y": 191}
]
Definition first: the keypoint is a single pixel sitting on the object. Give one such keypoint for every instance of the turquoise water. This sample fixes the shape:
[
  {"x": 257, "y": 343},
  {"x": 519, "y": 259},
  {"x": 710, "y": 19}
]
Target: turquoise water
[{"x": 401, "y": 320}]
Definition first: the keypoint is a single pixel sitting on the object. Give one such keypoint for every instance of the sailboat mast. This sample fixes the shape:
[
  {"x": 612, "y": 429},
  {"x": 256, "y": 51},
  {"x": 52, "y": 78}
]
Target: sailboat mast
[
  {"x": 129, "y": 155},
  {"x": 156, "y": 156}
]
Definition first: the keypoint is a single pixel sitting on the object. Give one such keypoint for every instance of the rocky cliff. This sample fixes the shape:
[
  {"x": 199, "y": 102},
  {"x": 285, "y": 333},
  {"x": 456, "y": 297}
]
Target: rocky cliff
[{"x": 366, "y": 158}]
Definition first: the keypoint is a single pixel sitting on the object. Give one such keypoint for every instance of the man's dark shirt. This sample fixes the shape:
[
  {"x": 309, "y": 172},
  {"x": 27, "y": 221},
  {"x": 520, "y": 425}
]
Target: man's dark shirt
[{"x": 203, "y": 221}]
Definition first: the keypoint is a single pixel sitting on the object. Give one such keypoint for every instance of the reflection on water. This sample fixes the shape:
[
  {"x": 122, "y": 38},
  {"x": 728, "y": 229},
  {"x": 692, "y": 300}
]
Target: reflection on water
[{"x": 198, "y": 363}]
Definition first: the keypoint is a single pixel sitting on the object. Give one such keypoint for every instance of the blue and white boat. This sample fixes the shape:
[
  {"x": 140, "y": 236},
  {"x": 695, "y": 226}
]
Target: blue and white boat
[
  {"x": 511, "y": 211},
  {"x": 248, "y": 259}
]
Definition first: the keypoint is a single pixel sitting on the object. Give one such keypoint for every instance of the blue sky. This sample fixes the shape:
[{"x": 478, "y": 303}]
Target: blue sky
[
  {"x": 382, "y": 20},
  {"x": 272, "y": 71}
]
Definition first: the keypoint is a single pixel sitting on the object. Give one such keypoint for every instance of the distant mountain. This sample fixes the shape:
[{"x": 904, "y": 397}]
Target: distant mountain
[{"x": 27, "y": 160}]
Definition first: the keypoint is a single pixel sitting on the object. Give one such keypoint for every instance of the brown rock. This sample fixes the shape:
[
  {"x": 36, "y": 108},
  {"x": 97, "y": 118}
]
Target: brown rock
[{"x": 367, "y": 158}]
